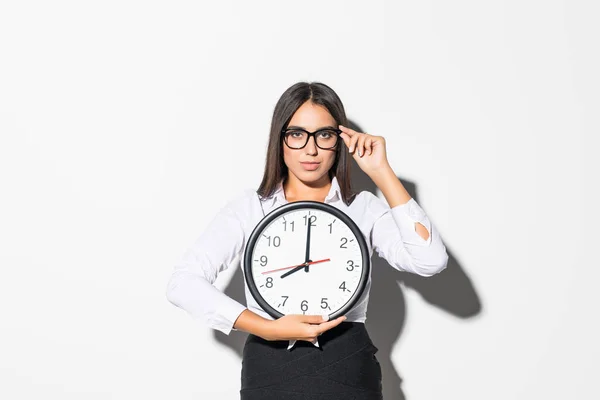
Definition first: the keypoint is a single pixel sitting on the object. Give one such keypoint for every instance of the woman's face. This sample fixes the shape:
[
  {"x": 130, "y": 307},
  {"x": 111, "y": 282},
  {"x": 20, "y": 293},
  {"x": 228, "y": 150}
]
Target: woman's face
[{"x": 310, "y": 117}]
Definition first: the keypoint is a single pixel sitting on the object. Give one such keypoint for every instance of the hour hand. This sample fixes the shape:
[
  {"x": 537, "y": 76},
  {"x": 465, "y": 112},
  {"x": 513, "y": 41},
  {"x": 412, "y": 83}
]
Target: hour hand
[{"x": 298, "y": 268}]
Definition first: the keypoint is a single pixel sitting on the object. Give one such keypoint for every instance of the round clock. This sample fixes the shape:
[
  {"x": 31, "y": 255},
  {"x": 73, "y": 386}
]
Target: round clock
[{"x": 306, "y": 257}]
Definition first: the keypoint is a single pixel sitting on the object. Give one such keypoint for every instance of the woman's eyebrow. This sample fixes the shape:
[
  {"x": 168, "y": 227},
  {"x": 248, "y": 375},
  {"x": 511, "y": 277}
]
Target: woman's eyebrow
[{"x": 300, "y": 127}]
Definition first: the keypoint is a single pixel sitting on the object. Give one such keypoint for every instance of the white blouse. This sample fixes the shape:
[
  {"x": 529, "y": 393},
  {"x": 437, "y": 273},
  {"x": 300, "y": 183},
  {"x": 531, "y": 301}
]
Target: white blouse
[{"x": 389, "y": 231}]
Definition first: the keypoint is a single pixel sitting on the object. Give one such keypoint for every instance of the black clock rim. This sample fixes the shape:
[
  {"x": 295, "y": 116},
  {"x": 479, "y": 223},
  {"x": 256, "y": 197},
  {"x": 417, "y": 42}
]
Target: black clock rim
[{"x": 366, "y": 260}]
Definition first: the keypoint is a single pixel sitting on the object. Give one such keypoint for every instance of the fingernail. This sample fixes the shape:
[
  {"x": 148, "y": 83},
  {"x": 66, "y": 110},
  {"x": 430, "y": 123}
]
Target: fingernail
[
  {"x": 359, "y": 154},
  {"x": 351, "y": 149},
  {"x": 325, "y": 317}
]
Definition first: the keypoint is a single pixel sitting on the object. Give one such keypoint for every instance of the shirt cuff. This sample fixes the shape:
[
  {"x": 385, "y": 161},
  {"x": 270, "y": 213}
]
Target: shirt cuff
[
  {"x": 229, "y": 312},
  {"x": 292, "y": 342},
  {"x": 406, "y": 215}
]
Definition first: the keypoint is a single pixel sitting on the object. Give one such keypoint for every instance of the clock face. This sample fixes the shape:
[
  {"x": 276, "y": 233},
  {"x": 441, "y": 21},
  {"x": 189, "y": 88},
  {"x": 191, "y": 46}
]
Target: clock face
[{"x": 306, "y": 258}]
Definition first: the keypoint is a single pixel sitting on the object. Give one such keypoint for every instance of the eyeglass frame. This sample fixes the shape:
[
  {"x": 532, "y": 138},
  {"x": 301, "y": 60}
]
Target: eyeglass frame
[{"x": 311, "y": 134}]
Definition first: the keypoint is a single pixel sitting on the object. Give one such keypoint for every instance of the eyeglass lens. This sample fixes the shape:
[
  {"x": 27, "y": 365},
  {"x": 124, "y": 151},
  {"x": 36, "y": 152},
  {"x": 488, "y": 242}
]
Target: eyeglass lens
[{"x": 297, "y": 139}]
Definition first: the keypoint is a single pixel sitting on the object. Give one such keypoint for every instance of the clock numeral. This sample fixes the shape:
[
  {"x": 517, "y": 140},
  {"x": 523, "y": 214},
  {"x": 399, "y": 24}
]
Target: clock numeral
[
  {"x": 351, "y": 265},
  {"x": 343, "y": 287},
  {"x": 324, "y": 304},
  {"x": 343, "y": 245},
  {"x": 304, "y": 306},
  {"x": 285, "y": 225},
  {"x": 269, "y": 283},
  {"x": 286, "y": 297},
  {"x": 313, "y": 219},
  {"x": 276, "y": 241},
  {"x": 263, "y": 261},
  {"x": 331, "y": 226}
]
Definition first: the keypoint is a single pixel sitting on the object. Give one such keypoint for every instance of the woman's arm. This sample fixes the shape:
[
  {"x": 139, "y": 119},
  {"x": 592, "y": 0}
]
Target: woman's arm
[
  {"x": 395, "y": 238},
  {"x": 191, "y": 287},
  {"x": 191, "y": 284},
  {"x": 396, "y": 194},
  {"x": 402, "y": 233},
  {"x": 288, "y": 327}
]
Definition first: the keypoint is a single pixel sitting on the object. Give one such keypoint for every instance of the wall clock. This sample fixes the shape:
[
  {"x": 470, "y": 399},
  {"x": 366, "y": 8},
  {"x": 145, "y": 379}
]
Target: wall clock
[{"x": 306, "y": 257}]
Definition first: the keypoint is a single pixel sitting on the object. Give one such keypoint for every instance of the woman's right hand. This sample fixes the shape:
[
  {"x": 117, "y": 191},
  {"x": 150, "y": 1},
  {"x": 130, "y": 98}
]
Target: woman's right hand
[{"x": 300, "y": 327}]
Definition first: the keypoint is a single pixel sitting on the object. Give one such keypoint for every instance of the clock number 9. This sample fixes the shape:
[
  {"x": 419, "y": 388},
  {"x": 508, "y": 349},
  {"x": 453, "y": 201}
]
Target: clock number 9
[{"x": 263, "y": 261}]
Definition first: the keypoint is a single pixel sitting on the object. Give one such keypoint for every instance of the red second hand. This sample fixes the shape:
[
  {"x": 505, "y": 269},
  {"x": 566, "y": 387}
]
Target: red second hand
[{"x": 294, "y": 266}]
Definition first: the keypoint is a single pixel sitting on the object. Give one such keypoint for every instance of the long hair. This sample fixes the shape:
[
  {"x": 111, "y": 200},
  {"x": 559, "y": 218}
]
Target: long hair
[{"x": 296, "y": 95}]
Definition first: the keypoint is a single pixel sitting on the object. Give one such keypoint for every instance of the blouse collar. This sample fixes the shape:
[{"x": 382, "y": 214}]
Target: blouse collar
[{"x": 333, "y": 195}]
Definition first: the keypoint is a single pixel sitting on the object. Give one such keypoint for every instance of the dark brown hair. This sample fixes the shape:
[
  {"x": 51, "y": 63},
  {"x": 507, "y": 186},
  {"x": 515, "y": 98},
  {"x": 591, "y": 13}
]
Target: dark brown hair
[{"x": 289, "y": 102}]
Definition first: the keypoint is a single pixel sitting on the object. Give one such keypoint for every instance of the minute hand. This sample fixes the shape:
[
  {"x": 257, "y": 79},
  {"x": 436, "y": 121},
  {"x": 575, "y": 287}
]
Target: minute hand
[{"x": 307, "y": 258}]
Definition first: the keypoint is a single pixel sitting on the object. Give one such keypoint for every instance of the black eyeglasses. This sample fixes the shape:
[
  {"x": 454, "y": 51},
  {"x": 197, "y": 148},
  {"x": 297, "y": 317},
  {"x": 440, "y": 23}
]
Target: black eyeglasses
[{"x": 297, "y": 138}]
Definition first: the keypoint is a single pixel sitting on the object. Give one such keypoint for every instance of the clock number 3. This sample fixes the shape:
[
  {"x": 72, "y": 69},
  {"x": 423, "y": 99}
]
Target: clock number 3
[{"x": 351, "y": 265}]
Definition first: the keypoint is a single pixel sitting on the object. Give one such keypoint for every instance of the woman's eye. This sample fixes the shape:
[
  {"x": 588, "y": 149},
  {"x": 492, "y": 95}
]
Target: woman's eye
[{"x": 325, "y": 135}]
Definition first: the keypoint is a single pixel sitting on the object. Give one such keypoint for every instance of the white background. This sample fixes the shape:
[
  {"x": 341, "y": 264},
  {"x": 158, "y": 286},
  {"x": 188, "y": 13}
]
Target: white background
[{"x": 126, "y": 125}]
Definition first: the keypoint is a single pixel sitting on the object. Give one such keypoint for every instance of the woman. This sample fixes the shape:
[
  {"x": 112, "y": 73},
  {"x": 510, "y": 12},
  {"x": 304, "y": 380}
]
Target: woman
[{"x": 306, "y": 356}]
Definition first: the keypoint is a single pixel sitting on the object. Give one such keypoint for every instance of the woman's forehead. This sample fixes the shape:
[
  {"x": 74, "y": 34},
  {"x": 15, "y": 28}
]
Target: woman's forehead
[{"x": 312, "y": 116}]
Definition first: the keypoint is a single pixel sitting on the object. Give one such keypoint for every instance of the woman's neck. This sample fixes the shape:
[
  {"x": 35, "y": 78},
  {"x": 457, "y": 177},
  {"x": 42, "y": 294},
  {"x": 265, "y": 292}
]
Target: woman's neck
[{"x": 297, "y": 190}]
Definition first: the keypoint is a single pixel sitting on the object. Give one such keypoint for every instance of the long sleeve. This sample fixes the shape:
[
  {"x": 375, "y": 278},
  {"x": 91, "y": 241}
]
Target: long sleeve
[
  {"x": 395, "y": 239},
  {"x": 191, "y": 284}
]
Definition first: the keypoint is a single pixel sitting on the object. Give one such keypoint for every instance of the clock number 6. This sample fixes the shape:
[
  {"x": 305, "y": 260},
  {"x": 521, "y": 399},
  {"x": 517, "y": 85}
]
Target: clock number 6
[{"x": 304, "y": 306}]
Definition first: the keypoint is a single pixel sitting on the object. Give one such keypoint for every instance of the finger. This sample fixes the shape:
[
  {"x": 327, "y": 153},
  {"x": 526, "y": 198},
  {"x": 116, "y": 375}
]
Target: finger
[
  {"x": 369, "y": 145},
  {"x": 350, "y": 132},
  {"x": 353, "y": 141},
  {"x": 314, "y": 319},
  {"x": 328, "y": 325},
  {"x": 361, "y": 145},
  {"x": 345, "y": 138}
]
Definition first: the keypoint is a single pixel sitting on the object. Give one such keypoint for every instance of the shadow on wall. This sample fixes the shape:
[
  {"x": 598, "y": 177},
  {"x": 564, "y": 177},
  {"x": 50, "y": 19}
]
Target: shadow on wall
[{"x": 450, "y": 290}]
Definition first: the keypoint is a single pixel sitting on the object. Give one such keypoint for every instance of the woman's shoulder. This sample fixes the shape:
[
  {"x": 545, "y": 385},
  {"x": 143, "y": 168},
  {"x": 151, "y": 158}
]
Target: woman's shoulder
[{"x": 241, "y": 199}]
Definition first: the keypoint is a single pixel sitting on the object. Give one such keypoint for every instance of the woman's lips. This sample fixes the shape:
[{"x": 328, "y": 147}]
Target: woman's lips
[{"x": 310, "y": 166}]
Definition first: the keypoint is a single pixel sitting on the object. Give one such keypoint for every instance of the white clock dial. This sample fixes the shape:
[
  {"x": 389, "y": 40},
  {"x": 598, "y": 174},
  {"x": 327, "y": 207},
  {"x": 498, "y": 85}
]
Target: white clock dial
[{"x": 327, "y": 283}]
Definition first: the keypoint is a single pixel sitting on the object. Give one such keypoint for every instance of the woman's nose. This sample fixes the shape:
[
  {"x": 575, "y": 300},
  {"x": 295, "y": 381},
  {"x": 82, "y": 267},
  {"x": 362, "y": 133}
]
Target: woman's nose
[{"x": 311, "y": 146}]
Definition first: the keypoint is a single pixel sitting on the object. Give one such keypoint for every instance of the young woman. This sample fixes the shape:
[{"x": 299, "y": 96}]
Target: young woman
[{"x": 308, "y": 158}]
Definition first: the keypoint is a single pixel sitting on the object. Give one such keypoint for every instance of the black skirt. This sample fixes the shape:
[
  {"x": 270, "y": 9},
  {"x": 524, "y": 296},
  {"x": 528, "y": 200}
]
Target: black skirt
[{"x": 343, "y": 367}]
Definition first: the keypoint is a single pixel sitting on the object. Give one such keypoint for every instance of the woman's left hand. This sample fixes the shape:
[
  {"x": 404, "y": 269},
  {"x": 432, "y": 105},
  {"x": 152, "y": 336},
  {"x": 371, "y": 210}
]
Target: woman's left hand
[{"x": 372, "y": 155}]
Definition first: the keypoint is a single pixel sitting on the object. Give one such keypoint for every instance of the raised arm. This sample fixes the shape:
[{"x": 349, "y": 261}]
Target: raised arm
[{"x": 395, "y": 238}]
